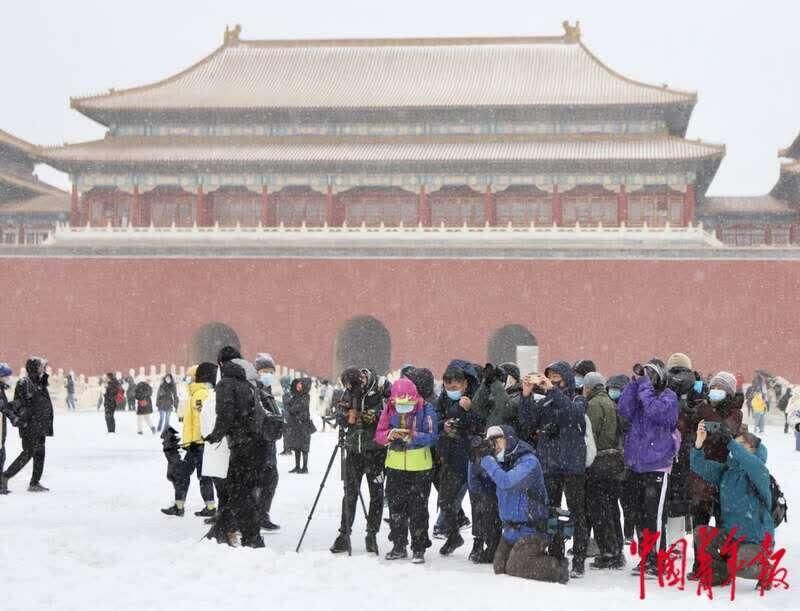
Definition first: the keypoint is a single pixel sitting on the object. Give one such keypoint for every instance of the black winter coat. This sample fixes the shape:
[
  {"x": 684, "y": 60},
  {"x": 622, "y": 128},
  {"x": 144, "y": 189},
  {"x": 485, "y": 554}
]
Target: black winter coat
[
  {"x": 167, "y": 396},
  {"x": 453, "y": 448},
  {"x": 35, "y": 406},
  {"x": 3, "y": 420},
  {"x": 235, "y": 398},
  {"x": 299, "y": 427},
  {"x": 110, "y": 396},
  {"x": 368, "y": 403},
  {"x": 143, "y": 393}
]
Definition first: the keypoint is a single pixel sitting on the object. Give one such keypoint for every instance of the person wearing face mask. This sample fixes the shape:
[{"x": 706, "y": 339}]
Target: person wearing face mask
[
  {"x": 743, "y": 480},
  {"x": 650, "y": 448},
  {"x": 265, "y": 367},
  {"x": 35, "y": 423},
  {"x": 299, "y": 426},
  {"x": 723, "y": 405},
  {"x": 166, "y": 401},
  {"x": 556, "y": 418},
  {"x": 518, "y": 482},
  {"x": 358, "y": 412},
  {"x": 581, "y": 368},
  {"x": 457, "y": 422},
  {"x": 408, "y": 429}
]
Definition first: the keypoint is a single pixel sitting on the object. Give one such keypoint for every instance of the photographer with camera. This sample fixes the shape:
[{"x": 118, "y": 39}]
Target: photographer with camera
[
  {"x": 650, "y": 447},
  {"x": 358, "y": 413},
  {"x": 745, "y": 497},
  {"x": 408, "y": 429},
  {"x": 458, "y": 421},
  {"x": 512, "y": 467},
  {"x": 492, "y": 403},
  {"x": 556, "y": 418},
  {"x": 723, "y": 405}
]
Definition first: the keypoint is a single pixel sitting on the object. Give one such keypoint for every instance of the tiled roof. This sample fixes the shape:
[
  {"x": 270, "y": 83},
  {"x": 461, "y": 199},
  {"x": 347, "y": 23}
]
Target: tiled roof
[
  {"x": 19, "y": 144},
  {"x": 377, "y": 73},
  {"x": 447, "y": 149},
  {"x": 756, "y": 204},
  {"x": 30, "y": 183},
  {"x": 39, "y": 204}
]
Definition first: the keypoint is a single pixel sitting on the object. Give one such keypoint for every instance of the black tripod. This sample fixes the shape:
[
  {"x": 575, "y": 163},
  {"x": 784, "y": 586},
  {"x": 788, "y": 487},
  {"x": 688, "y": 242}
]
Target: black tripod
[{"x": 339, "y": 446}]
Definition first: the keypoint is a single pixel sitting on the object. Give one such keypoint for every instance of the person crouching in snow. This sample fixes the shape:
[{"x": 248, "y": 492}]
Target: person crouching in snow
[
  {"x": 523, "y": 504},
  {"x": 143, "y": 398},
  {"x": 409, "y": 428},
  {"x": 202, "y": 377}
]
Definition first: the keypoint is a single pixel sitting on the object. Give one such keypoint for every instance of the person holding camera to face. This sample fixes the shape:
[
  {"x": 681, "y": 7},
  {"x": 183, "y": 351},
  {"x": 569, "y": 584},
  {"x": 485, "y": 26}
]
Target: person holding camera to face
[
  {"x": 722, "y": 405},
  {"x": 555, "y": 417},
  {"x": 511, "y": 466},
  {"x": 358, "y": 413},
  {"x": 458, "y": 421},
  {"x": 650, "y": 447}
]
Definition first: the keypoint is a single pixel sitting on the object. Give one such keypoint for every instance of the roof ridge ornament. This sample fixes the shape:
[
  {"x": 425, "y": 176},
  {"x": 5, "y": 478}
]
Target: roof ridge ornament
[
  {"x": 232, "y": 35},
  {"x": 572, "y": 33}
]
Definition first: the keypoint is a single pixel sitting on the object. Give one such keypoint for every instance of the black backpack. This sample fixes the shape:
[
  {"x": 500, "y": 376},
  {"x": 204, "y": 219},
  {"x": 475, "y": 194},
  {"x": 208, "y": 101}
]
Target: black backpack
[{"x": 778, "y": 507}]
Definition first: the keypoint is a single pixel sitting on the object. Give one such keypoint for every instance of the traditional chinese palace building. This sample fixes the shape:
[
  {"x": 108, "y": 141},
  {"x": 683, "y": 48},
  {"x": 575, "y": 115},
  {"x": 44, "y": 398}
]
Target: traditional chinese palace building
[{"x": 375, "y": 202}]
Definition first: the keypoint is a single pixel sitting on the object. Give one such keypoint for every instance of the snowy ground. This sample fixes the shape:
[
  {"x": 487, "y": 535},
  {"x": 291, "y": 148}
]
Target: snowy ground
[{"x": 98, "y": 541}]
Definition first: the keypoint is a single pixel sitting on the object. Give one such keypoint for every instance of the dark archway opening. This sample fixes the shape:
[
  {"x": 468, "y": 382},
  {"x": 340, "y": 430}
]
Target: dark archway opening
[
  {"x": 207, "y": 341},
  {"x": 503, "y": 343},
  {"x": 363, "y": 341}
]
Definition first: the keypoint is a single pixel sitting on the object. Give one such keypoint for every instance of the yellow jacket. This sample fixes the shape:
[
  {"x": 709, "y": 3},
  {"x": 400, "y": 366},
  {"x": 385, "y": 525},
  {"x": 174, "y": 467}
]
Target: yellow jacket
[
  {"x": 192, "y": 432},
  {"x": 759, "y": 406}
]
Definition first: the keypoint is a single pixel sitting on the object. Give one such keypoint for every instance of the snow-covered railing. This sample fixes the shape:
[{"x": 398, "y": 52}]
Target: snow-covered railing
[{"x": 65, "y": 235}]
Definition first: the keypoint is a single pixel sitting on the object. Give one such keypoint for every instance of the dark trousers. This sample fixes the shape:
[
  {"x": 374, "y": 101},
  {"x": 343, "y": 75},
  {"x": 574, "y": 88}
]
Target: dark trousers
[
  {"x": 269, "y": 483},
  {"x": 649, "y": 495},
  {"x": 408, "y": 493},
  {"x": 602, "y": 510},
  {"x": 111, "y": 424},
  {"x": 32, "y": 447},
  {"x": 2, "y": 457},
  {"x": 526, "y": 558},
  {"x": 131, "y": 404},
  {"x": 450, "y": 482},
  {"x": 243, "y": 487},
  {"x": 574, "y": 488},
  {"x": 627, "y": 494},
  {"x": 193, "y": 462},
  {"x": 369, "y": 464},
  {"x": 486, "y": 524}
]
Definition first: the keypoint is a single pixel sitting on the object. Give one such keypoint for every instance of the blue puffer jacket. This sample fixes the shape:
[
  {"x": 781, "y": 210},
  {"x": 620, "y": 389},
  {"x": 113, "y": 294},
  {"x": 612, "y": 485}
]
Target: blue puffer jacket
[
  {"x": 564, "y": 454},
  {"x": 453, "y": 450},
  {"x": 520, "y": 489},
  {"x": 743, "y": 482}
]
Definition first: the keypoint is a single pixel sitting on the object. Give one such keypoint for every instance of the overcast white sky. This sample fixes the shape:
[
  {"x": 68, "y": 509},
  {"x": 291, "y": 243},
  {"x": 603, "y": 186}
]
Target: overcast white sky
[{"x": 740, "y": 56}]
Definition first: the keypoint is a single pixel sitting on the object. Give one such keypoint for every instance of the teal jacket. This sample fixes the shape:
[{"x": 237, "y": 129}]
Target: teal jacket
[{"x": 744, "y": 494}]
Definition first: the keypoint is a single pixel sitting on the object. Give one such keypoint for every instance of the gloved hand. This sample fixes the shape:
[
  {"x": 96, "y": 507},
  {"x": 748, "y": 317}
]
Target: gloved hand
[
  {"x": 368, "y": 416},
  {"x": 725, "y": 434},
  {"x": 797, "y": 427},
  {"x": 551, "y": 430}
]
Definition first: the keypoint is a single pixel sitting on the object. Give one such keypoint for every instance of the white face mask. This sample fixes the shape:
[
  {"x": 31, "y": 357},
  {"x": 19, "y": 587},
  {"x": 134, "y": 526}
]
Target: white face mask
[
  {"x": 501, "y": 456},
  {"x": 537, "y": 396}
]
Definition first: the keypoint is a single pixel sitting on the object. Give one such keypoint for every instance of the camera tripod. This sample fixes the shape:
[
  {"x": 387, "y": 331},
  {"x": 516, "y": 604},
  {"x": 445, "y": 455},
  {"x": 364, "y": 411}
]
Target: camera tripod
[{"x": 339, "y": 447}]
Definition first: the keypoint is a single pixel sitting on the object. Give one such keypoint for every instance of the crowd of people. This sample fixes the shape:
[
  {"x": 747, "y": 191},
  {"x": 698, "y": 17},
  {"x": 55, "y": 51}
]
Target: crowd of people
[{"x": 625, "y": 453}]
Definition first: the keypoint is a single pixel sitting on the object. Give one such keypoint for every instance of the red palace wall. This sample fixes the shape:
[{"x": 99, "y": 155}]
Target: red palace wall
[{"x": 99, "y": 314}]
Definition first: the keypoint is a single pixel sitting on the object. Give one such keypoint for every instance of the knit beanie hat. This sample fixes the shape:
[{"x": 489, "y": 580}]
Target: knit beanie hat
[
  {"x": 494, "y": 431},
  {"x": 264, "y": 360},
  {"x": 619, "y": 381},
  {"x": 679, "y": 359},
  {"x": 592, "y": 379},
  {"x": 724, "y": 380},
  {"x": 228, "y": 353},
  {"x": 206, "y": 373}
]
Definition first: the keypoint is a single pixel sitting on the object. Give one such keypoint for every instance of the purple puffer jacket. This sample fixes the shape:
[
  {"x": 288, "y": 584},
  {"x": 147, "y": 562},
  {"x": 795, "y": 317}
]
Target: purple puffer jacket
[{"x": 649, "y": 446}]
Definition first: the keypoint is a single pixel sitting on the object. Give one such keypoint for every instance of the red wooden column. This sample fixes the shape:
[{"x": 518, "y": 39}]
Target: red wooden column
[
  {"x": 688, "y": 205},
  {"x": 329, "y": 207},
  {"x": 558, "y": 215},
  {"x": 423, "y": 208},
  {"x": 793, "y": 233},
  {"x": 74, "y": 212},
  {"x": 768, "y": 234},
  {"x": 490, "y": 206},
  {"x": 201, "y": 214},
  {"x": 268, "y": 215},
  {"x": 622, "y": 206},
  {"x": 136, "y": 208},
  {"x": 86, "y": 213}
]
